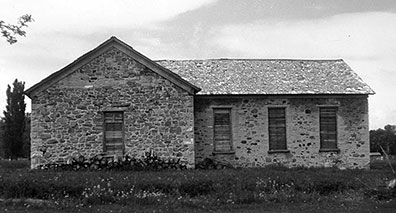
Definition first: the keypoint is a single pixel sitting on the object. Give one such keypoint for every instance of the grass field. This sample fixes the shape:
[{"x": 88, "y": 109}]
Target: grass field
[{"x": 226, "y": 190}]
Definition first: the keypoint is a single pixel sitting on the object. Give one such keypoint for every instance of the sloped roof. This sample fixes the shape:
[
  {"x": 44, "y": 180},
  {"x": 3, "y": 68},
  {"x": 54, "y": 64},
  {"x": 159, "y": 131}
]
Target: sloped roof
[
  {"x": 120, "y": 45},
  {"x": 273, "y": 76},
  {"x": 234, "y": 76}
]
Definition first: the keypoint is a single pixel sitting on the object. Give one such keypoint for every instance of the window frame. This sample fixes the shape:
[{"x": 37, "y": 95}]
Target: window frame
[
  {"x": 274, "y": 149},
  {"x": 122, "y": 151},
  {"x": 231, "y": 144},
  {"x": 334, "y": 147}
]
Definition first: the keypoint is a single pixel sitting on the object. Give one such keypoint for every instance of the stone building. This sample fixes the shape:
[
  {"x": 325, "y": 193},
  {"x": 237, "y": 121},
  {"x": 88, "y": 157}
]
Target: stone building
[{"x": 115, "y": 101}]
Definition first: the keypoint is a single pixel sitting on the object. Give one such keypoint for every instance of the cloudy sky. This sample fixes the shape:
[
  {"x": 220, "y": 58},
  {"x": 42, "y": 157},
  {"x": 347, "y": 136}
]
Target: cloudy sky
[{"x": 362, "y": 32}]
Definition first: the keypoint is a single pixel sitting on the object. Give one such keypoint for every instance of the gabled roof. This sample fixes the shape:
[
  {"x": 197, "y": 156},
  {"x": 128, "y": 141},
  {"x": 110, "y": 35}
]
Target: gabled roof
[
  {"x": 274, "y": 76},
  {"x": 120, "y": 45},
  {"x": 234, "y": 76}
]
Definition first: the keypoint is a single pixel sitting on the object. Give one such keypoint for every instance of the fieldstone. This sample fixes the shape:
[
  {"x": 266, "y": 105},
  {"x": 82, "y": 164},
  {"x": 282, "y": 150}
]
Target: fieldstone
[
  {"x": 302, "y": 131},
  {"x": 77, "y": 111},
  {"x": 45, "y": 136},
  {"x": 52, "y": 141}
]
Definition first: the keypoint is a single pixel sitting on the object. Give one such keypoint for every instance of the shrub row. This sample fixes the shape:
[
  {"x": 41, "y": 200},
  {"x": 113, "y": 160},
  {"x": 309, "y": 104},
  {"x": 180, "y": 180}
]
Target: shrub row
[{"x": 150, "y": 161}]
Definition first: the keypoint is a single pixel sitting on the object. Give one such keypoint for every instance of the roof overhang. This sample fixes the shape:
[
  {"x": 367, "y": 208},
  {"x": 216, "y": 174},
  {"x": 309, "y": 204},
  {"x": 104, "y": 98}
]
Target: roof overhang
[
  {"x": 105, "y": 46},
  {"x": 291, "y": 96}
]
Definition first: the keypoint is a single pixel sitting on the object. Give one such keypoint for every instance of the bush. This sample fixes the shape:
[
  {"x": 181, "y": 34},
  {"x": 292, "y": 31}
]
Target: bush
[
  {"x": 382, "y": 165},
  {"x": 150, "y": 161},
  {"x": 209, "y": 163}
]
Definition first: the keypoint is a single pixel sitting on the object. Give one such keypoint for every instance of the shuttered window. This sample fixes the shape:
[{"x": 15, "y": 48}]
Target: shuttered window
[
  {"x": 113, "y": 135},
  {"x": 222, "y": 130},
  {"x": 277, "y": 129},
  {"x": 328, "y": 128}
]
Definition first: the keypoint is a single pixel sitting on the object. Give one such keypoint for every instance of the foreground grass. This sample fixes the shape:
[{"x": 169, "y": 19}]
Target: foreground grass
[{"x": 233, "y": 190}]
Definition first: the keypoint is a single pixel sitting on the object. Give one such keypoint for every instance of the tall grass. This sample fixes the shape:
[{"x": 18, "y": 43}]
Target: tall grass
[
  {"x": 192, "y": 187},
  {"x": 14, "y": 164}
]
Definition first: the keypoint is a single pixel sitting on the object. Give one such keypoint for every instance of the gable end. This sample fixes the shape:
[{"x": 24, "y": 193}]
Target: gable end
[{"x": 105, "y": 46}]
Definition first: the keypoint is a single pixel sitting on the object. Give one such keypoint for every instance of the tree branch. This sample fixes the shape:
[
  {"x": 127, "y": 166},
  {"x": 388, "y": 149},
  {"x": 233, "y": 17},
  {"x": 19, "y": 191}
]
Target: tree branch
[{"x": 10, "y": 31}]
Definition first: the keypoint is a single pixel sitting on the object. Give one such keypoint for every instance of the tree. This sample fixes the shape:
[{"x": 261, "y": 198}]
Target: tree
[
  {"x": 26, "y": 137},
  {"x": 383, "y": 137},
  {"x": 2, "y": 127},
  {"x": 14, "y": 121},
  {"x": 10, "y": 31}
]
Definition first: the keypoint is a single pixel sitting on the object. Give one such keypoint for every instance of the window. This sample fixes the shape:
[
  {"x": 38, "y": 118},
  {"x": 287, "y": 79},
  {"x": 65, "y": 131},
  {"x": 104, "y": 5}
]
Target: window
[
  {"x": 222, "y": 130},
  {"x": 277, "y": 129},
  {"x": 328, "y": 128},
  {"x": 113, "y": 133}
]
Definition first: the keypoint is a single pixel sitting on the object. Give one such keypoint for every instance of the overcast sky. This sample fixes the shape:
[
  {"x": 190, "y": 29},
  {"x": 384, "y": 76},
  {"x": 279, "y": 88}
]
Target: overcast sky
[{"x": 362, "y": 32}]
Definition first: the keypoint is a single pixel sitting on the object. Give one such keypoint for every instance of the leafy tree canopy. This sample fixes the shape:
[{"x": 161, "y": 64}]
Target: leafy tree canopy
[
  {"x": 11, "y": 31},
  {"x": 383, "y": 137},
  {"x": 14, "y": 116}
]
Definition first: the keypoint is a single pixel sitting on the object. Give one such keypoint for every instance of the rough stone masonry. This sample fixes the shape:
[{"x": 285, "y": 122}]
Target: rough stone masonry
[
  {"x": 169, "y": 108},
  {"x": 250, "y": 131},
  {"x": 67, "y": 118}
]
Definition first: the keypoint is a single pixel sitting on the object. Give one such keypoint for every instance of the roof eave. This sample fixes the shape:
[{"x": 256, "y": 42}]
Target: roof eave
[
  {"x": 166, "y": 73},
  {"x": 285, "y": 94},
  {"x": 54, "y": 76},
  {"x": 113, "y": 41}
]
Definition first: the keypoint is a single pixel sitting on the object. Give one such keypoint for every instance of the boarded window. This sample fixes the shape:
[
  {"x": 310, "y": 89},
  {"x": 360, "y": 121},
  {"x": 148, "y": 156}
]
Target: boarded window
[
  {"x": 277, "y": 128},
  {"x": 222, "y": 130},
  {"x": 113, "y": 134},
  {"x": 328, "y": 127}
]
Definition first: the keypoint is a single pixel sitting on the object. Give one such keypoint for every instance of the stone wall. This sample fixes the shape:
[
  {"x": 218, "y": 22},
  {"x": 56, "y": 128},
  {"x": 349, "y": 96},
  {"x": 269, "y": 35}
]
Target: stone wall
[
  {"x": 249, "y": 117},
  {"x": 67, "y": 118}
]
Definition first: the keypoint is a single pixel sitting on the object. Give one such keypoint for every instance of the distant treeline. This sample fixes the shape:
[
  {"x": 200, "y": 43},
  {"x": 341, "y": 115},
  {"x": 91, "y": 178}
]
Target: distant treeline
[{"x": 385, "y": 138}]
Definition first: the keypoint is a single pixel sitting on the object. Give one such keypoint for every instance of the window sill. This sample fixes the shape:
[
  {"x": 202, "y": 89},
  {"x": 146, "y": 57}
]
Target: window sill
[
  {"x": 224, "y": 152},
  {"x": 278, "y": 151},
  {"x": 329, "y": 150}
]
